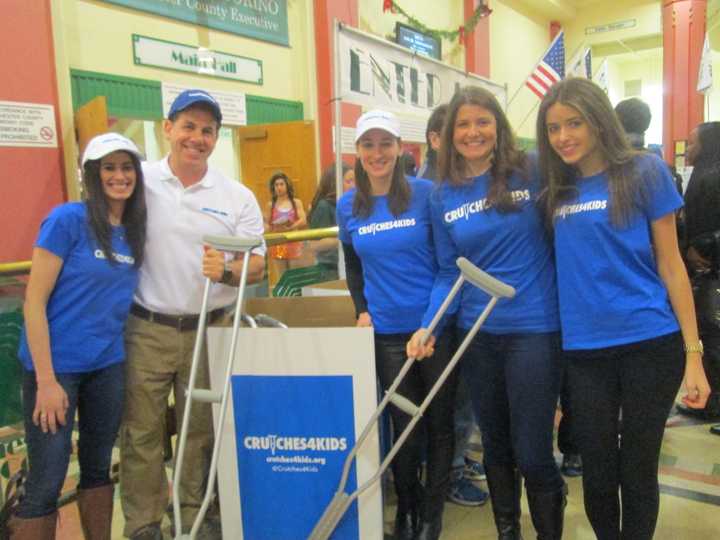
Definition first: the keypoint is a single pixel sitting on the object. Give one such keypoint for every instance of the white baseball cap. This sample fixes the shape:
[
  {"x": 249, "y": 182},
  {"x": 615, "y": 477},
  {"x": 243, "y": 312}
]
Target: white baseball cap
[
  {"x": 107, "y": 143},
  {"x": 377, "y": 119}
]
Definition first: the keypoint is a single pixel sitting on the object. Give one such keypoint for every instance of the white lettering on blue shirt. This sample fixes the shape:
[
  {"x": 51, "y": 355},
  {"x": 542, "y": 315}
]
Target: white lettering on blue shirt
[
  {"x": 469, "y": 208},
  {"x": 569, "y": 209},
  {"x": 119, "y": 257},
  {"x": 373, "y": 228}
]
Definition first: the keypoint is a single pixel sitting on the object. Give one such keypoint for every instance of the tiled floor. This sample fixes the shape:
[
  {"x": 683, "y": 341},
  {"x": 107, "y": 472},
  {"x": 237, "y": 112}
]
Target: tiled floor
[{"x": 690, "y": 501}]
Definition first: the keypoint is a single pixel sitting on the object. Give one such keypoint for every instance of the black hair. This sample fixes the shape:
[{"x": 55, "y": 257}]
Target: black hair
[
  {"x": 134, "y": 217},
  {"x": 708, "y": 134},
  {"x": 635, "y": 116}
]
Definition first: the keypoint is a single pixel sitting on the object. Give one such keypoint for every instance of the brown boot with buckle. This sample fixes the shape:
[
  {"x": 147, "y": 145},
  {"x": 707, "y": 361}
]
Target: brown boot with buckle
[{"x": 96, "y": 510}]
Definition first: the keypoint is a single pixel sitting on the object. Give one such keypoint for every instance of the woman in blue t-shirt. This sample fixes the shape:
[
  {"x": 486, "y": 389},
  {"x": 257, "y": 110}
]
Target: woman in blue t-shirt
[
  {"x": 625, "y": 303},
  {"x": 485, "y": 210},
  {"x": 84, "y": 272},
  {"x": 384, "y": 225}
]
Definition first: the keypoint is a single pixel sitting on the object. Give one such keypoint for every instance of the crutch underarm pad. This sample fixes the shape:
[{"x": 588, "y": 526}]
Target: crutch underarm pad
[
  {"x": 484, "y": 281},
  {"x": 232, "y": 243}
]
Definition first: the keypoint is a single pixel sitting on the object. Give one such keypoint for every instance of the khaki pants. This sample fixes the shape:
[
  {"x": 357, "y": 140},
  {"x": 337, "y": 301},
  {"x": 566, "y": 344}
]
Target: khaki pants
[{"x": 159, "y": 359}]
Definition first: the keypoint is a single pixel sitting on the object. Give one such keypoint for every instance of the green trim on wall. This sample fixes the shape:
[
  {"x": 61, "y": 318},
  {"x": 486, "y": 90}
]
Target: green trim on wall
[
  {"x": 129, "y": 97},
  {"x": 264, "y": 110}
]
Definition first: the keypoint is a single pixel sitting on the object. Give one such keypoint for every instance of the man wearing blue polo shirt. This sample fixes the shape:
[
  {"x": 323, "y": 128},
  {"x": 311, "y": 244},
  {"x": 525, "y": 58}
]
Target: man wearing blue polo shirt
[{"x": 186, "y": 199}]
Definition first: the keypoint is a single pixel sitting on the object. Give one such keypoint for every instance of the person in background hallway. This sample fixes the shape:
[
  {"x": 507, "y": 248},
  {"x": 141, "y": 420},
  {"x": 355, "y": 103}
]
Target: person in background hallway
[
  {"x": 635, "y": 116},
  {"x": 389, "y": 213},
  {"x": 84, "y": 273},
  {"x": 465, "y": 471},
  {"x": 284, "y": 213},
  {"x": 186, "y": 200},
  {"x": 322, "y": 214},
  {"x": 626, "y": 308},
  {"x": 702, "y": 251},
  {"x": 408, "y": 164},
  {"x": 485, "y": 210}
]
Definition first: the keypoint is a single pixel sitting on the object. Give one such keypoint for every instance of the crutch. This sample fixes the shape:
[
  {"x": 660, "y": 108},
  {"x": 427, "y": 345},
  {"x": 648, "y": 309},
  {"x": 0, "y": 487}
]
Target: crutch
[
  {"x": 341, "y": 501},
  {"x": 233, "y": 245}
]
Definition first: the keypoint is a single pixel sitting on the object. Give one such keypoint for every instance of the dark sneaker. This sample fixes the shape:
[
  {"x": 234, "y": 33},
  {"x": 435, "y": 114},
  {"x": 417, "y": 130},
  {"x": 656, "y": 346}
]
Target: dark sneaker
[
  {"x": 571, "y": 465},
  {"x": 148, "y": 532},
  {"x": 474, "y": 470},
  {"x": 715, "y": 430},
  {"x": 465, "y": 493}
]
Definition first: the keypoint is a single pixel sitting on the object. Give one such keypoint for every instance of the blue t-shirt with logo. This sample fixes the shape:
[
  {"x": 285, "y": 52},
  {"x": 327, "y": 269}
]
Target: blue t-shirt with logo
[
  {"x": 89, "y": 304},
  {"x": 510, "y": 246},
  {"x": 397, "y": 255},
  {"x": 609, "y": 287}
]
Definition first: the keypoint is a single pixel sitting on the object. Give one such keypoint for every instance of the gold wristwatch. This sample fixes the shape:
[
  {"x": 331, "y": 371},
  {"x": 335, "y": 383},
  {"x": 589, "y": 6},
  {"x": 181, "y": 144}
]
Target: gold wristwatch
[{"x": 695, "y": 347}]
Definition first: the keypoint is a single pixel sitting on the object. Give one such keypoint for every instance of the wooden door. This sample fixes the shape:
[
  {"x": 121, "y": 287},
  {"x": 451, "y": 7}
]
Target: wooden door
[
  {"x": 288, "y": 147},
  {"x": 91, "y": 119}
]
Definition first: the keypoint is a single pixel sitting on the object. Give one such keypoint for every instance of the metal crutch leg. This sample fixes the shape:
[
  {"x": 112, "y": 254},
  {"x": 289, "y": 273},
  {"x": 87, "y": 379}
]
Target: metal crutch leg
[
  {"x": 341, "y": 501},
  {"x": 233, "y": 245}
]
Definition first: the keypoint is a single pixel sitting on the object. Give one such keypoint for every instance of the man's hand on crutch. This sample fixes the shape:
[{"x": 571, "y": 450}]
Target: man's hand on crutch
[{"x": 418, "y": 350}]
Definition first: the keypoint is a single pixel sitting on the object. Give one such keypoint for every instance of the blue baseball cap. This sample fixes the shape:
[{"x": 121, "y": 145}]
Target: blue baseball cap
[{"x": 189, "y": 97}]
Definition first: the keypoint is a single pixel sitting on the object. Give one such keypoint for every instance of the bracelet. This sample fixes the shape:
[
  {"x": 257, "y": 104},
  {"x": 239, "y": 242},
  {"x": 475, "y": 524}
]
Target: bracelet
[
  {"x": 227, "y": 275},
  {"x": 695, "y": 347}
]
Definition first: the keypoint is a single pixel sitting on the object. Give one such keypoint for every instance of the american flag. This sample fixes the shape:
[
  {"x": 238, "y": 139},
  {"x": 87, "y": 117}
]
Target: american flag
[{"x": 550, "y": 69}]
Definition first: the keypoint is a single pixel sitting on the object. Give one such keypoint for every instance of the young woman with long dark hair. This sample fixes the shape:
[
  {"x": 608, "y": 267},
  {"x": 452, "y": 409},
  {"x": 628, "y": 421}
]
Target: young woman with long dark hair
[
  {"x": 485, "y": 210},
  {"x": 84, "y": 273},
  {"x": 391, "y": 266},
  {"x": 625, "y": 302}
]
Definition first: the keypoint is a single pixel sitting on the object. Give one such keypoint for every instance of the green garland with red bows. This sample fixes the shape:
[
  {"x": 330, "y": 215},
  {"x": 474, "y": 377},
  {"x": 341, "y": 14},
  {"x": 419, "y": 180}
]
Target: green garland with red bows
[{"x": 481, "y": 11}]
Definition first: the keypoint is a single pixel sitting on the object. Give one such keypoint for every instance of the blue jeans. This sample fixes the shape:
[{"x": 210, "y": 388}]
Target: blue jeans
[
  {"x": 98, "y": 398},
  {"x": 514, "y": 382}
]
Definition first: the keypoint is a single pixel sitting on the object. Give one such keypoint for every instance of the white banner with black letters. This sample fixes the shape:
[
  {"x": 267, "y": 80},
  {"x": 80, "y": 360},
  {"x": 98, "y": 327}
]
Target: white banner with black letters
[{"x": 379, "y": 74}]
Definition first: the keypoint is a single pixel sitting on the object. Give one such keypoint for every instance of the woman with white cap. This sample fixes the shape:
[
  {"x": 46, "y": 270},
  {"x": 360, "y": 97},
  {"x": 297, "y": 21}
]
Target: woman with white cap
[
  {"x": 84, "y": 272},
  {"x": 390, "y": 260}
]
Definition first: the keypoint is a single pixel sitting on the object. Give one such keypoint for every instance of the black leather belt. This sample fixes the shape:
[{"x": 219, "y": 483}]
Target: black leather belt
[{"x": 182, "y": 323}]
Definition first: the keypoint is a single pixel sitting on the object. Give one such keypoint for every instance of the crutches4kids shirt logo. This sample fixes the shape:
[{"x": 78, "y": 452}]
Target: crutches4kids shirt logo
[
  {"x": 465, "y": 210},
  {"x": 383, "y": 226},
  {"x": 310, "y": 462}
]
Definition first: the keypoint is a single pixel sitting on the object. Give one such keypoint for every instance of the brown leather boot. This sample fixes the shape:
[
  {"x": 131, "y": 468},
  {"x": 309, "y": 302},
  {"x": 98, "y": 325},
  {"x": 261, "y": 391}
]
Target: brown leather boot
[
  {"x": 96, "y": 510},
  {"x": 40, "y": 528}
]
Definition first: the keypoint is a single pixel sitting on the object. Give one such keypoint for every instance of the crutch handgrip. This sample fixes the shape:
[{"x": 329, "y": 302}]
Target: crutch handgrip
[
  {"x": 206, "y": 396},
  {"x": 232, "y": 243},
  {"x": 404, "y": 404},
  {"x": 494, "y": 287}
]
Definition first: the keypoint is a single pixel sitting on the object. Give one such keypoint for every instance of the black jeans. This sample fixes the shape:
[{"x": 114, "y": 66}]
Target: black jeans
[
  {"x": 566, "y": 440},
  {"x": 641, "y": 380},
  {"x": 438, "y": 419}
]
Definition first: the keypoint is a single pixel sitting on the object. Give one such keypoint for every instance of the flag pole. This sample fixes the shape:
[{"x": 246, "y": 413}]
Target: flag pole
[
  {"x": 537, "y": 103},
  {"x": 533, "y": 69}
]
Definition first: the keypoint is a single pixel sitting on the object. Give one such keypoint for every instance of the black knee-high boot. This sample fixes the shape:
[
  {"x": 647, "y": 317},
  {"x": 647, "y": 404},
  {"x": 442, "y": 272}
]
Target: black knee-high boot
[
  {"x": 504, "y": 484},
  {"x": 547, "y": 510}
]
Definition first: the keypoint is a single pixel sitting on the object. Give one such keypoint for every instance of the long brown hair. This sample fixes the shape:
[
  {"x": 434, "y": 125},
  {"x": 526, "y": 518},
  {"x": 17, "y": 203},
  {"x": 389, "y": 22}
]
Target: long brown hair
[
  {"x": 398, "y": 196},
  {"x": 560, "y": 179},
  {"x": 326, "y": 190},
  {"x": 507, "y": 158}
]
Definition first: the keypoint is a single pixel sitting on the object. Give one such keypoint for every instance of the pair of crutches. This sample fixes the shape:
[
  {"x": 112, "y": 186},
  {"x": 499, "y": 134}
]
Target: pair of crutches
[
  {"x": 341, "y": 501},
  {"x": 233, "y": 245}
]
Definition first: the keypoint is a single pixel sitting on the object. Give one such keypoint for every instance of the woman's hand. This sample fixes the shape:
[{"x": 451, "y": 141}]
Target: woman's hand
[
  {"x": 696, "y": 383},
  {"x": 51, "y": 403},
  {"x": 364, "y": 320},
  {"x": 416, "y": 349}
]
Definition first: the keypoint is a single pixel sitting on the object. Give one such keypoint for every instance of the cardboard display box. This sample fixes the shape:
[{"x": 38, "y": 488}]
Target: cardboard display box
[{"x": 305, "y": 311}]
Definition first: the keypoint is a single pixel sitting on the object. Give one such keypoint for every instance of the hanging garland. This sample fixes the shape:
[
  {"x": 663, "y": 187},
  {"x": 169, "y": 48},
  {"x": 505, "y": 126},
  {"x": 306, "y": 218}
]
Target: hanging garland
[{"x": 481, "y": 11}]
